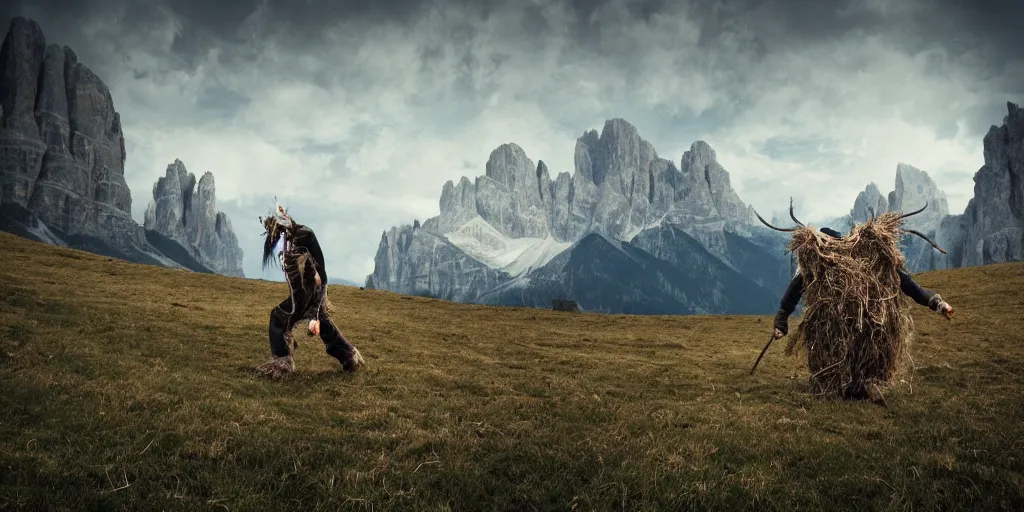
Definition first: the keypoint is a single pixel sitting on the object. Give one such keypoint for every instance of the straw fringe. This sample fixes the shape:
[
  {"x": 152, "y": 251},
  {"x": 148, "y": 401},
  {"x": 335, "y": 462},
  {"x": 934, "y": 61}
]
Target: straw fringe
[{"x": 856, "y": 327}]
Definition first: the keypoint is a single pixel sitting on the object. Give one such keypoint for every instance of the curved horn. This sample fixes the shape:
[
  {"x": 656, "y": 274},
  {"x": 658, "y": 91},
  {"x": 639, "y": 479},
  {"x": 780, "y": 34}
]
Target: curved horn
[
  {"x": 915, "y": 212},
  {"x": 769, "y": 225},
  {"x": 791, "y": 215},
  {"x": 926, "y": 239}
]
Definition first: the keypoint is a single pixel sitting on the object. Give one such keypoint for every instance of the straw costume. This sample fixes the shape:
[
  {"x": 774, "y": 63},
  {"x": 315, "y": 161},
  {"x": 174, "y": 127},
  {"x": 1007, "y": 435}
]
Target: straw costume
[{"x": 856, "y": 326}]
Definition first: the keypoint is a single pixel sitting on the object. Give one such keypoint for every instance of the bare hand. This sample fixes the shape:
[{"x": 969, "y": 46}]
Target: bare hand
[
  {"x": 945, "y": 310},
  {"x": 777, "y": 334}
]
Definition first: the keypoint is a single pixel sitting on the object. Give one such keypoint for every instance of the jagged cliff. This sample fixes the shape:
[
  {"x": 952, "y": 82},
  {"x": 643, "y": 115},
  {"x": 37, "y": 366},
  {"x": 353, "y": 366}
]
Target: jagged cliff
[
  {"x": 61, "y": 146},
  {"x": 62, "y": 156},
  {"x": 516, "y": 236},
  {"x": 913, "y": 189},
  {"x": 991, "y": 228},
  {"x": 620, "y": 187},
  {"x": 185, "y": 211},
  {"x": 992, "y": 225},
  {"x": 496, "y": 237},
  {"x": 414, "y": 261}
]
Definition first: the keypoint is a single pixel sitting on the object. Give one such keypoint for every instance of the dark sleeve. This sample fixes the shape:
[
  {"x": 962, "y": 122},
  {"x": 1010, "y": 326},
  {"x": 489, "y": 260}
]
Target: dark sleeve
[
  {"x": 306, "y": 238},
  {"x": 793, "y": 294},
  {"x": 913, "y": 290}
]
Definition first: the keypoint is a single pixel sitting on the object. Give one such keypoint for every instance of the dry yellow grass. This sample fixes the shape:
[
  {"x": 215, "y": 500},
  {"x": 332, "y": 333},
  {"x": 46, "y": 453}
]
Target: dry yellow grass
[{"x": 129, "y": 387}]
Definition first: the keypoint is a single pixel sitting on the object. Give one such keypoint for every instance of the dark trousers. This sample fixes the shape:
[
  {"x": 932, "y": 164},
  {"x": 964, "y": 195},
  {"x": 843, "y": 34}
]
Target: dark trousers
[{"x": 307, "y": 301}]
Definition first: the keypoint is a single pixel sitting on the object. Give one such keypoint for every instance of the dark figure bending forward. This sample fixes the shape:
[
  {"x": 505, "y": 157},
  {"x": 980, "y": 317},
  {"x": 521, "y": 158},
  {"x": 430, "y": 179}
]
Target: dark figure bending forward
[
  {"x": 303, "y": 264},
  {"x": 909, "y": 288}
]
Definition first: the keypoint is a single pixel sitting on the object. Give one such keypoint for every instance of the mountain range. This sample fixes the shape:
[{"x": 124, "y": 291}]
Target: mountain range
[
  {"x": 630, "y": 232},
  {"x": 627, "y": 231},
  {"x": 62, "y": 162}
]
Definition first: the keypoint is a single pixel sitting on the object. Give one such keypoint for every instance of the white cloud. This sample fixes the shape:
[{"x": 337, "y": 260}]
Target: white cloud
[{"x": 866, "y": 98}]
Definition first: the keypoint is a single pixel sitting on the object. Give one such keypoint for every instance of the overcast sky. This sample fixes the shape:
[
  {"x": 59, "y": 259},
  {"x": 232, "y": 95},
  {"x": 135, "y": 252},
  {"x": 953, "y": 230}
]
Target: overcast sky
[{"x": 355, "y": 113}]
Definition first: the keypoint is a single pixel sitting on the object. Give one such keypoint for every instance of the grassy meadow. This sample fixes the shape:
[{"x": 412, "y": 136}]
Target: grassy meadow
[{"x": 130, "y": 387}]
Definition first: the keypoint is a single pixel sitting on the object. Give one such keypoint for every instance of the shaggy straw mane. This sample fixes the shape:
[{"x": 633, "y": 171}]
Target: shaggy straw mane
[{"x": 856, "y": 326}]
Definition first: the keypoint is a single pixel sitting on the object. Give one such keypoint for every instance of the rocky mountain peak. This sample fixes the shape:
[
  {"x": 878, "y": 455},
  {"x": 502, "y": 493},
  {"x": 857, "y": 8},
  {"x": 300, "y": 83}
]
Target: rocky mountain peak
[
  {"x": 22, "y": 58},
  {"x": 613, "y": 158},
  {"x": 177, "y": 166},
  {"x": 700, "y": 168},
  {"x": 509, "y": 165},
  {"x": 544, "y": 183},
  {"x": 991, "y": 229},
  {"x": 869, "y": 201},
  {"x": 700, "y": 156},
  {"x": 619, "y": 133},
  {"x": 542, "y": 169},
  {"x": 207, "y": 183},
  {"x": 61, "y": 141},
  {"x": 185, "y": 210},
  {"x": 913, "y": 189},
  {"x": 619, "y": 188},
  {"x": 993, "y": 223}
]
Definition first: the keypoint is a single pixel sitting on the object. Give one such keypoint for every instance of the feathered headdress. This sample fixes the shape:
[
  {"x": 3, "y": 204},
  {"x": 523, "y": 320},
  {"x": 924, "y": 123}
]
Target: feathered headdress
[{"x": 276, "y": 224}]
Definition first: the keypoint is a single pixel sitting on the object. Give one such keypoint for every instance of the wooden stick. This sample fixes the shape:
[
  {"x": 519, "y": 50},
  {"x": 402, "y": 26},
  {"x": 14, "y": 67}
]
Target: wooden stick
[{"x": 763, "y": 350}]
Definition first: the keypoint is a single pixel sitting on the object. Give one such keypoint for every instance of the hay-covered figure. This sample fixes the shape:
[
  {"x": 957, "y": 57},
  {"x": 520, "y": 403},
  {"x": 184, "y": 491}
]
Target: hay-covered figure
[
  {"x": 856, "y": 325},
  {"x": 303, "y": 264}
]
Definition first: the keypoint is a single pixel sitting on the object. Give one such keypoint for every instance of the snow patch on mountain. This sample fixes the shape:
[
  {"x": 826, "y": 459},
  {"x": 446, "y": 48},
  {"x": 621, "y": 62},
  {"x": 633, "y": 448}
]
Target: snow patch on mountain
[
  {"x": 45, "y": 235},
  {"x": 512, "y": 255}
]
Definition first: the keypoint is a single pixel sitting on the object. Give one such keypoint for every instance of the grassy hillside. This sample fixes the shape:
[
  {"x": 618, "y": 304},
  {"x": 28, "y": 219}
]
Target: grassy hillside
[{"x": 129, "y": 387}]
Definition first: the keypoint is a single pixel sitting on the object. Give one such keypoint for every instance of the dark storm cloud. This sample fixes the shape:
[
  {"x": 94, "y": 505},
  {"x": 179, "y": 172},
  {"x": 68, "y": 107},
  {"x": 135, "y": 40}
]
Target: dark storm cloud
[
  {"x": 220, "y": 100},
  {"x": 958, "y": 24},
  {"x": 380, "y": 102},
  {"x": 797, "y": 19},
  {"x": 205, "y": 24},
  {"x": 991, "y": 26},
  {"x": 995, "y": 23}
]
